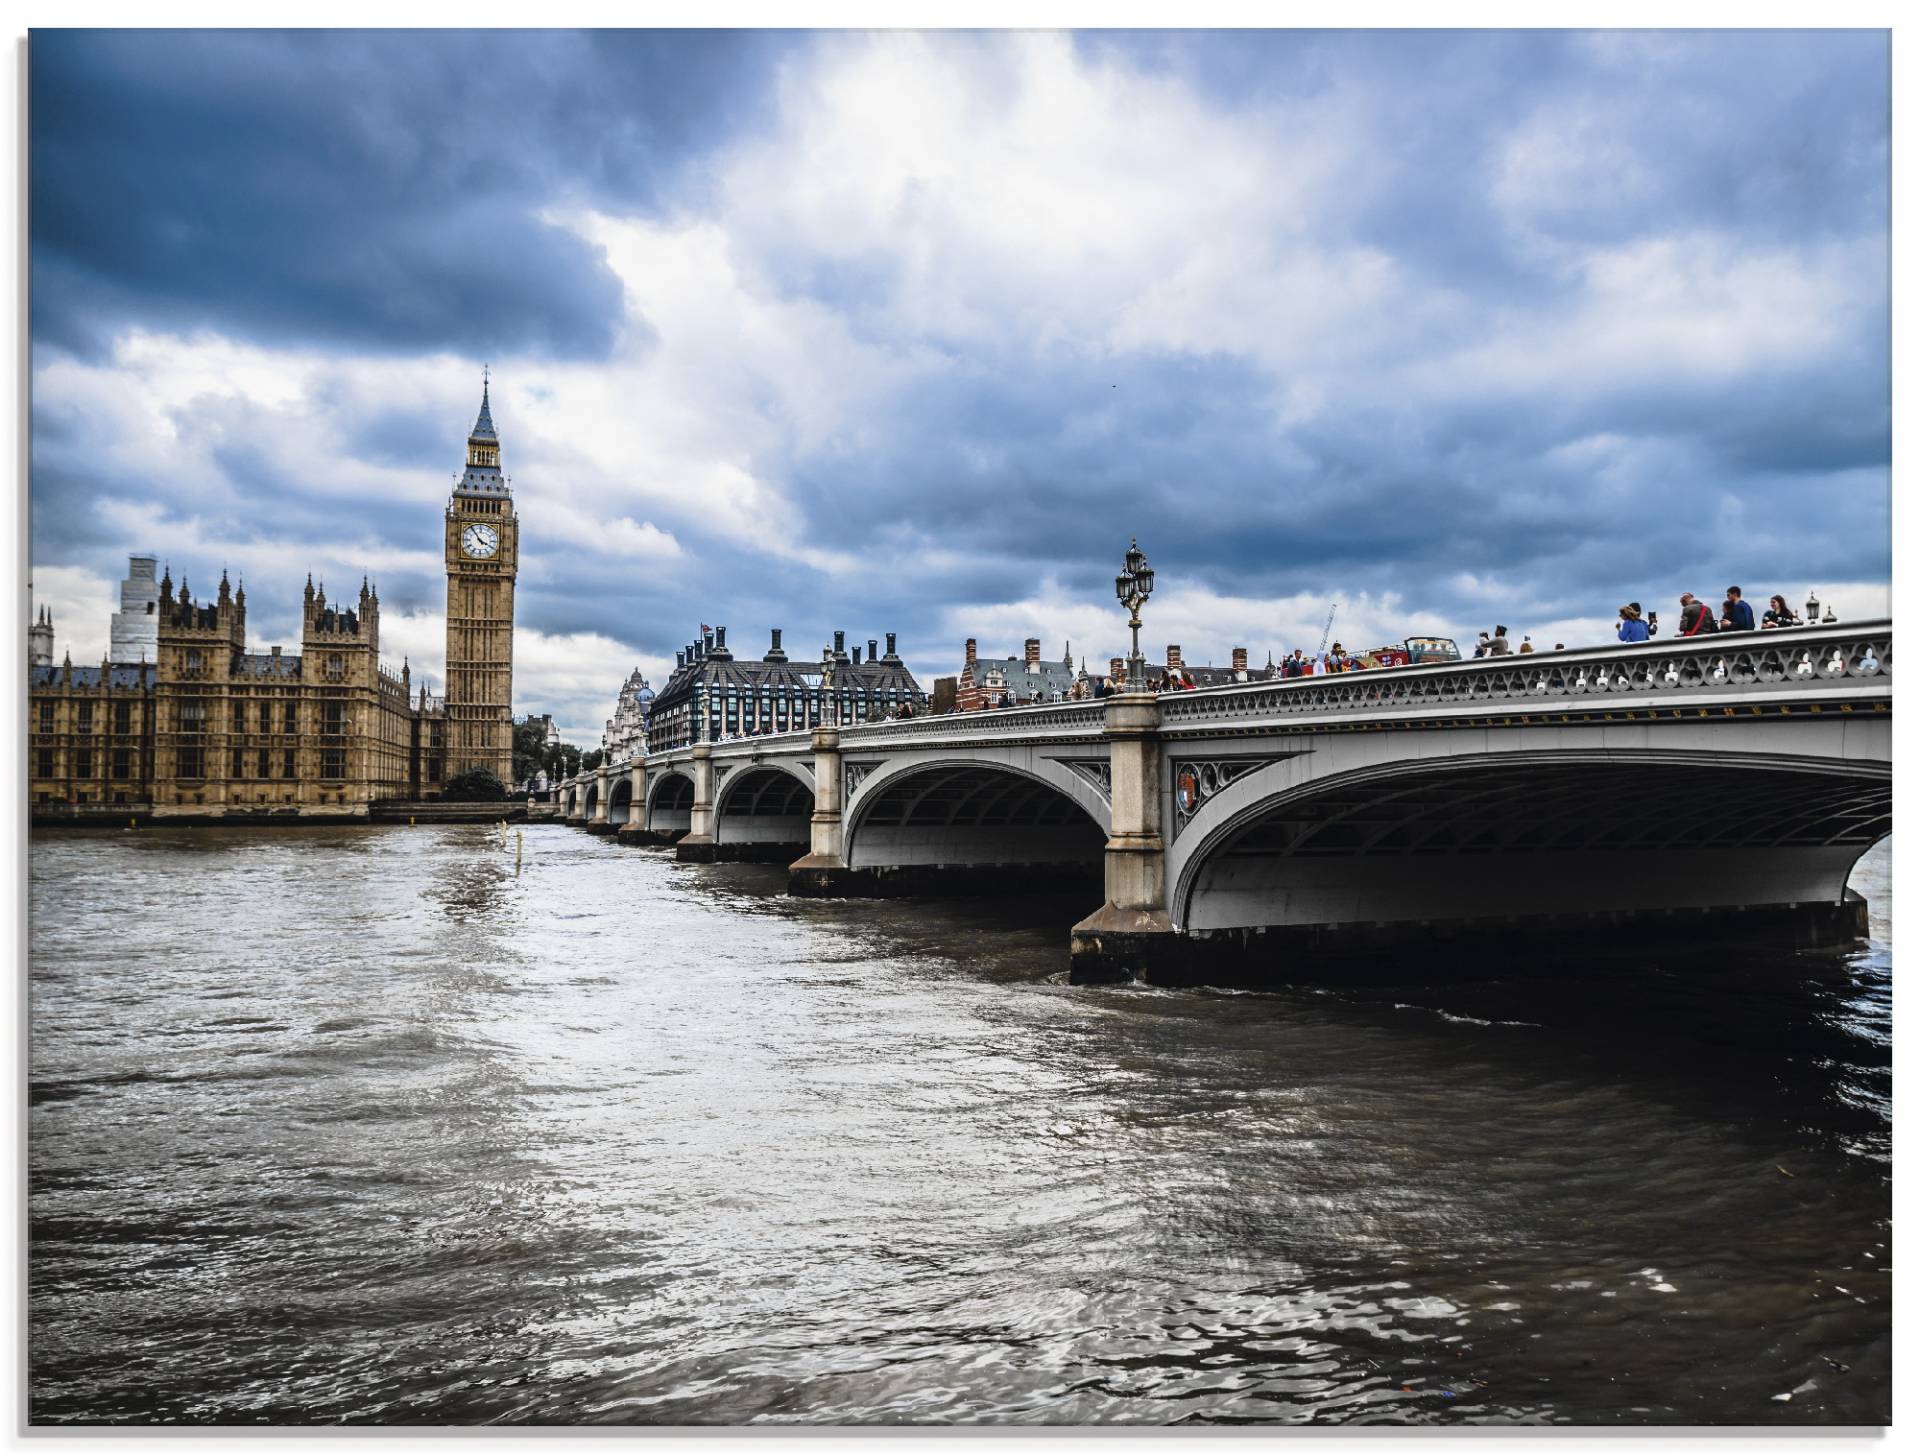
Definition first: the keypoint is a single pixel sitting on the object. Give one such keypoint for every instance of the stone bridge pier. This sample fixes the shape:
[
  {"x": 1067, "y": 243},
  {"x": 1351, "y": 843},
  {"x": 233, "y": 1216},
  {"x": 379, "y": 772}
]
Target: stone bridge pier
[
  {"x": 634, "y": 830},
  {"x": 698, "y": 845},
  {"x": 1131, "y": 932},
  {"x": 822, "y": 872},
  {"x": 598, "y": 818}
]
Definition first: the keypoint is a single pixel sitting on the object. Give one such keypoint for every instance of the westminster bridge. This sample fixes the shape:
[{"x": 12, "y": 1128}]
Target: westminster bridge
[{"x": 1714, "y": 785}]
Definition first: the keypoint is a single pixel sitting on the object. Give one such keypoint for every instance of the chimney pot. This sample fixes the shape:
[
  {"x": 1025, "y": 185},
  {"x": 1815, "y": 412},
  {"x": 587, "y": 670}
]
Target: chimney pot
[
  {"x": 776, "y": 638},
  {"x": 1033, "y": 651},
  {"x": 839, "y": 643},
  {"x": 873, "y": 649},
  {"x": 1173, "y": 656},
  {"x": 972, "y": 650},
  {"x": 890, "y": 647},
  {"x": 1239, "y": 658},
  {"x": 720, "y": 638}
]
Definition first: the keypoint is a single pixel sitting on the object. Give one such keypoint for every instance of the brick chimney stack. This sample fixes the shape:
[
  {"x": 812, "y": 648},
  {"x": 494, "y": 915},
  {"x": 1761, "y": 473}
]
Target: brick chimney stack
[
  {"x": 1114, "y": 664},
  {"x": 1173, "y": 657},
  {"x": 973, "y": 651},
  {"x": 1240, "y": 659},
  {"x": 1033, "y": 653}
]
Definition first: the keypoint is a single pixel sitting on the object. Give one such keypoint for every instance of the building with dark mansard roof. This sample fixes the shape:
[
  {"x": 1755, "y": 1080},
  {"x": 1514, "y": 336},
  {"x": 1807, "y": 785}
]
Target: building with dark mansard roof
[{"x": 714, "y": 695}]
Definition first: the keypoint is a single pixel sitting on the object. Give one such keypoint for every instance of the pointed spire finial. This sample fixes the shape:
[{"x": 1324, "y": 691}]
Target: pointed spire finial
[{"x": 483, "y": 426}]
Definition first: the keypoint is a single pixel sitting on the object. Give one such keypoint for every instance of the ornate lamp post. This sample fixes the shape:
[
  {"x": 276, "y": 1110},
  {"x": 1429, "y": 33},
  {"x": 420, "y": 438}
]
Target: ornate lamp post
[
  {"x": 1133, "y": 585},
  {"x": 1813, "y": 609}
]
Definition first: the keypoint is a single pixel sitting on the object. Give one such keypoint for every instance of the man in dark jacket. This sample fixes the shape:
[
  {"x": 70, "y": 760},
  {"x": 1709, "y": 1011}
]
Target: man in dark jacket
[
  {"x": 1695, "y": 618},
  {"x": 1736, "y": 614}
]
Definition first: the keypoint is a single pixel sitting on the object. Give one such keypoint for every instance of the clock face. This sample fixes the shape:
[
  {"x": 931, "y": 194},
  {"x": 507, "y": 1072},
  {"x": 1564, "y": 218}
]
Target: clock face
[{"x": 479, "y": 541}]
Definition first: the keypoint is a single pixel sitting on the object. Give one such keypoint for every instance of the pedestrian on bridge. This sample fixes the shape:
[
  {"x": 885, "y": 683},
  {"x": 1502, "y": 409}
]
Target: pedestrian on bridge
[
  {"x": 1695, "y": 618},
  {"x": 1631, "y": 628},
  {"x": 1735, "y": 614},
  {"x": 1778, "y": 614}
]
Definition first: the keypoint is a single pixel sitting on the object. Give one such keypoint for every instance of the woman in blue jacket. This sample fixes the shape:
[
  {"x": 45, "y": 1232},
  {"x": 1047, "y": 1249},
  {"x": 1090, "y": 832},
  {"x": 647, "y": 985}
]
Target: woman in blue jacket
[{"x": 1631, "y": 628}]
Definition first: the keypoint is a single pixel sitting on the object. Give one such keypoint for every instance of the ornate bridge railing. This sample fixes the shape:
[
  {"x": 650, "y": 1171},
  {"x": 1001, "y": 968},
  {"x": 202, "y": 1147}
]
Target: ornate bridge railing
[
  {"x": 1805, "y": 660},
  {"x": 1051, "y": 721}
]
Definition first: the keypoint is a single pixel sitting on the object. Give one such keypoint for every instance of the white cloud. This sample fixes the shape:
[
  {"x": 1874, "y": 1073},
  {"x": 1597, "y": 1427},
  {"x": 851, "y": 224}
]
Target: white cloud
[
  {"x": 81, "y": 601},
  {"x": 1666, "y": 312}
]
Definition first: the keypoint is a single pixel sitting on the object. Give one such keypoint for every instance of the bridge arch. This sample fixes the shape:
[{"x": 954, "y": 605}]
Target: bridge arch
[
  {"x": 591, "y": 801},
  {"x": 867, "y": 779},
  {"x": 974, "y": 813},
  {"x": 669, "y": 804},
  {"x": 1312, "y": 840},
  {"x": 763, "y": 811},
  {"x": 620, "y": 800}
]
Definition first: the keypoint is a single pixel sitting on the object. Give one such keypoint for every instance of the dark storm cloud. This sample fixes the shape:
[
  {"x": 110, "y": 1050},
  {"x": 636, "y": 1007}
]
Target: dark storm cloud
[
  {"x": 1629, "y": 334},
  {"x": 367, "y": 190}
]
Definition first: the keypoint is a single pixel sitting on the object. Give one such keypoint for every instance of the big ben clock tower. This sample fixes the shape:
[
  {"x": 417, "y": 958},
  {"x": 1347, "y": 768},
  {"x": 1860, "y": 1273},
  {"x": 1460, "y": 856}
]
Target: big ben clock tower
[{"x": 483, "y": 557}]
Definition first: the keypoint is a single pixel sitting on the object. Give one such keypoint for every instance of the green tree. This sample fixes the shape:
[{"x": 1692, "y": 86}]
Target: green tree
[
  {"x": 529, "y": 748},
  {"x": 475, "y": 785},
  {"x": 590, "y": 760}
]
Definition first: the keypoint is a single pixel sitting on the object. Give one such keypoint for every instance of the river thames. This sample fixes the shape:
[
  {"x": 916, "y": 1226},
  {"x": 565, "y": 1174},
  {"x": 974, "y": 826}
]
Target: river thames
[{"x": 363, "y": 1125}]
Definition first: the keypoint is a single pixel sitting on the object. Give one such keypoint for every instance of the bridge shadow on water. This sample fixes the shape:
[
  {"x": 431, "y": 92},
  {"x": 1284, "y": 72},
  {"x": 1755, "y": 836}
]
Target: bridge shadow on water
[{"x": 1799, "y": 1038}]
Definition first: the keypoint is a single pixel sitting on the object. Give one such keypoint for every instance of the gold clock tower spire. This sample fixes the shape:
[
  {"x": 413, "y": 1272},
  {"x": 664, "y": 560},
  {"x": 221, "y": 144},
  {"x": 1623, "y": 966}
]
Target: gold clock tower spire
[{"x": 483, "y": 559}]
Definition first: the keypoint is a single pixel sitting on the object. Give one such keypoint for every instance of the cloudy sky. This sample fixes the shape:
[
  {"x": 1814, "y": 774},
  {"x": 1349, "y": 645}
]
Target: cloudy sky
[{"x": 912, "y": 332}]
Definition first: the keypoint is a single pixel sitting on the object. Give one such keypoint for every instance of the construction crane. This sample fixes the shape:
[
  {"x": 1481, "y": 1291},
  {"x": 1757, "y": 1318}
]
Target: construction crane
[{"x": 1326, "y": 631}]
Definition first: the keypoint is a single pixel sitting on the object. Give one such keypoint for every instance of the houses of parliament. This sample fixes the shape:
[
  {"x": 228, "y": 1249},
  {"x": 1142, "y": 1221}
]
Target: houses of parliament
[{"x": 182, "y": 721}]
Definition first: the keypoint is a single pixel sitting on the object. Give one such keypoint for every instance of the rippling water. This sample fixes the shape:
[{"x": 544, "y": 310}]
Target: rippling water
[{"x": 360, "y": 1125}]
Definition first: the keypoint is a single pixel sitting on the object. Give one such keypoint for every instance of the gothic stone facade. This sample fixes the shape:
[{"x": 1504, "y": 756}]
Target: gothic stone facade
[
  {"x": 483, "y": 561},
  {"x": 209, "y": 729}
]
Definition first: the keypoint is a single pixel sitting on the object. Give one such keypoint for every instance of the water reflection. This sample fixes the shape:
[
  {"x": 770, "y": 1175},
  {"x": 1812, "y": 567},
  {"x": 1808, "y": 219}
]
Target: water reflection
[{"x": 622, "y": 1140}]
